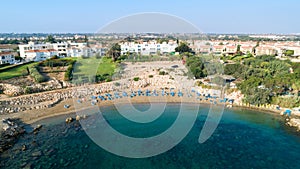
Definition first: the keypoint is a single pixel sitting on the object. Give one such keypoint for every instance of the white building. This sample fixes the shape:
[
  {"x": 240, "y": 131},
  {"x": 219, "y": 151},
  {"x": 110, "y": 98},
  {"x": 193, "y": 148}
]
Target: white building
[
  {"x": 265, "y": 50},
  {"x": 39, "y": 52},
  {"x": 40, "y": 55},
  {"x": 7, "y": 57},
  {"x": 148, "y": 48},
  {"x": 61, "y": 48},
  {"x": 78, "y": 52},
  {"x": 31, "y": 46}
]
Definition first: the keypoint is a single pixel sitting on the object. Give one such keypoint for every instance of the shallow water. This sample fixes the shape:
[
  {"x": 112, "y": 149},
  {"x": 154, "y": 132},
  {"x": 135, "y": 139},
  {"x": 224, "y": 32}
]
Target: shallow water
[{"x": 243, "y": 139}]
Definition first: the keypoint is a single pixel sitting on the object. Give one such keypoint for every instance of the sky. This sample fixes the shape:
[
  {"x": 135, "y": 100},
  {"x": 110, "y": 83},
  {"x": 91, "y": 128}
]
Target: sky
[{"x": 210, "y": 16}]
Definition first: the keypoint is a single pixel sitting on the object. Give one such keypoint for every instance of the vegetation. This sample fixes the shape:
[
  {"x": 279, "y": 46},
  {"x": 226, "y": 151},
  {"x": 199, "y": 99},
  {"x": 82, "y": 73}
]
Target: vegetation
[
  {"x": 183, "y": 47},
  {"x": 50, "y": 39},
  {"x": 136, "y": 79},
  {"x": 266, "y": 80},
  {"x": 68, "y": 73},
  {"x": 162, "y": 73},
  {"x": 15, "y": 71},
  {"x": 36, "y": 75},
  {"x": 196, "y": 67},
  {"x": 28, "y": 90},
  {"x": 115, "y": 52},
  {"x": 94, "y": 70},
  {"x": 289, "y": 53}
]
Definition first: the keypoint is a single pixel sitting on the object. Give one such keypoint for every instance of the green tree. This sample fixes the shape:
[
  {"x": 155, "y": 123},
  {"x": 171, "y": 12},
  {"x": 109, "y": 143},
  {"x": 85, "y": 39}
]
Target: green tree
[
  {"x": 182, "y": 48},
  {"x": 289, "y": 52},
  {"x": 50, "y": 39},
  {"x": 196, "y": 67},
  {"x": 296, "y": 87},
  {"x": 115, "y": 51},
  {"x": 234, "y": 69},
  {"x": 25, "y": 40},
  {"x": 238, "y": 48}
]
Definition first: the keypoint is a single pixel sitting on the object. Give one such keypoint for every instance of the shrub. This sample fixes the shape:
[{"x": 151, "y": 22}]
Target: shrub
[
  {"x": 28, "y": 90},
  {"x": 198, "y": 83},
  {"x": 68, "y": 74},
  {"x": 108, "y": 79},
  {"x": 117, "y": 84},
  {"x": 150, "y": 76},
  {"x": 162, "y": 73},
  {"x": 35, "y": 74},
  {"x": 136, "y": 79},
  {"x": 1, "y": 89}
]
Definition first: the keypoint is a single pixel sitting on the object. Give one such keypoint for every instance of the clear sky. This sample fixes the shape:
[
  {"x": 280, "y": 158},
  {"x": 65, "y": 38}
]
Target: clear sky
[{"x": 211, "y": 16}]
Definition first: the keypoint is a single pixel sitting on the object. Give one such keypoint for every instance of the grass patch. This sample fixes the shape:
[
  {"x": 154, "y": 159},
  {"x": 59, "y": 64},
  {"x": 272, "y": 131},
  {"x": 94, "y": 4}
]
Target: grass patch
[
  {"x": 17, "y": 71},
  {"x": 94, "y": 69}
]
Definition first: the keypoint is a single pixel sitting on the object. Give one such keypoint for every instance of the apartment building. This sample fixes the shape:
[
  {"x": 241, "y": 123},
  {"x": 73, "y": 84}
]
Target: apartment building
[
  {"x": 246, "y": 49},
  {"x": 218, "y": 49},
  {"x": 39, "y": 52},
  {"x": 40, "y": 55},
  {"x": 148, "y": 48},
  {"x": 7, "y": 57},
  {"x": 265, "y": 50}
]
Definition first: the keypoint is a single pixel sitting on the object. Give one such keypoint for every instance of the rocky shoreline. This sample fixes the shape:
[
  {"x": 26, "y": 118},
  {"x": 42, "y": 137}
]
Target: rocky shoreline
[
  {"x": 12, "y": 130},
  {"x": 294, "y": 122}
]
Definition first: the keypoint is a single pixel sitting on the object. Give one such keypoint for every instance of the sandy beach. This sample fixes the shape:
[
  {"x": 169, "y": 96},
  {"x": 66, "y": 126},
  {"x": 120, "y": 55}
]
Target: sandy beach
[
  {"x": 34, "y": 107},
  {"x": 33, "y": 116}
]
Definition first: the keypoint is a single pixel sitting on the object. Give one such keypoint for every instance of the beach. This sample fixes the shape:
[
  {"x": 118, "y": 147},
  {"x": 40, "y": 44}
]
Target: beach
[
  {"x": 32, "y": 116},
  {"x": 33, "y": 107}
]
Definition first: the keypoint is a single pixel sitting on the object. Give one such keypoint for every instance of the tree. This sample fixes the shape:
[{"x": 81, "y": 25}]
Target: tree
[
  {"x": 238, "y": 48},
  {"x": 18, "y": 58},
  {"x": 50, "y": 39},
  {"x": 115, "y": 51},
  {"x": 258, "y": 97},
  {"x": 182, "y": 48},
  {"x": 25, "y": 40},
  {"x": 86, "y": 39},
  {"x": 196, "y": 67},
  {"x": 296, "y": 87},
  {"x": 289, "y": 52},
  {"x": 234, "y": 69}
]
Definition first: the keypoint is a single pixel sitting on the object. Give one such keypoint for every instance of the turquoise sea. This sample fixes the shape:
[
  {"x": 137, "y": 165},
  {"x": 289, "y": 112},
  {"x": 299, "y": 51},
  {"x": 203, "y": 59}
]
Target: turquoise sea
[{"x": 243, "y": 139}]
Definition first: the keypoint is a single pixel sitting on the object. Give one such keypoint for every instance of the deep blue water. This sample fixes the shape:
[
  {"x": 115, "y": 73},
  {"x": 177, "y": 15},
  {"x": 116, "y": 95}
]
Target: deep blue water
[{"x": 243, "y": 139}]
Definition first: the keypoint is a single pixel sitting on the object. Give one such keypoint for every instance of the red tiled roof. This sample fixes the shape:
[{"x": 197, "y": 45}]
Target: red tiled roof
[
  {"x": 44, "y": 50},
  {"x": 231, "y": 47},
  {"x": 6, "y": 53},
  {"x": 218, "y": 47}
]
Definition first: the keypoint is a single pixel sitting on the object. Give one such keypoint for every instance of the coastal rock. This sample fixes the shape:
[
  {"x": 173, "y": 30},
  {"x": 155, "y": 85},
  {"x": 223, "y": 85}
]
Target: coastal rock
[
  {"x": 293, "y": 122},
  {"x": 28, "y": 166},
  {"x": 36, "y": 154},
  {"x": 10, "y": 134},
  {"x": 78, "y": 118},
  {"x": 24, "y": 147},
  {"x": 37, "y": 128},
  {"x": 69, "y": 120}
]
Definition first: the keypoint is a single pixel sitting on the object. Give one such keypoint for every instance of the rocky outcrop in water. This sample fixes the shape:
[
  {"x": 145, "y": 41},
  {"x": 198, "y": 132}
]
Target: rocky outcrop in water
[
  {"x": 69, "y": 120},
  {"x": 11, "y": 130},
  {"x": 293, "y": 122}
]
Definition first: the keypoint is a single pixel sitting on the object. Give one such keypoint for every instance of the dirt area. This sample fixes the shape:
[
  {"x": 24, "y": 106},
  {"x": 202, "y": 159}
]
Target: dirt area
[
  {"x": 54, "y": 69},
  {"x": 3, "y": 96},
  {"x": 57, "y": 73},
  {"x": 20, "y": 81}
]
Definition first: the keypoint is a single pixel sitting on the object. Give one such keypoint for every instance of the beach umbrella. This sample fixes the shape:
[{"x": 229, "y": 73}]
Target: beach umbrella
[{"x": 288, "y": 112}]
